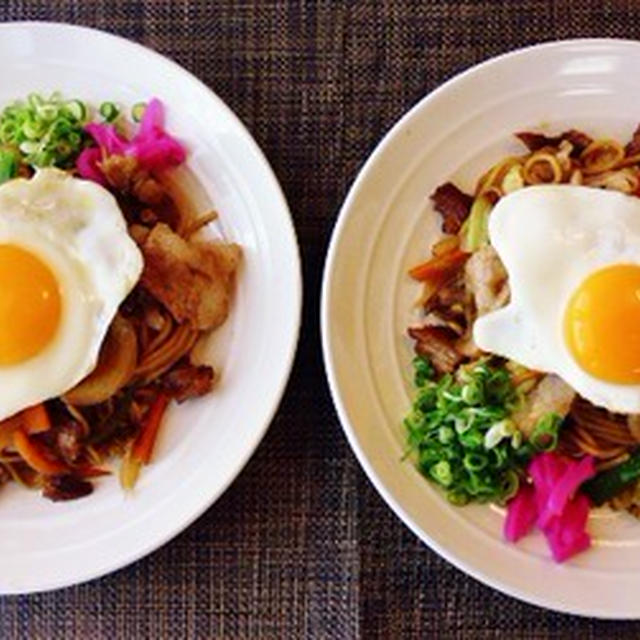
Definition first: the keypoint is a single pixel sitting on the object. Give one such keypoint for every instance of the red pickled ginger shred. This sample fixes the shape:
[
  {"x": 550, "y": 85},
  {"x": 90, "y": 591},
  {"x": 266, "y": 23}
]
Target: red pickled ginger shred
[
  {"x": 154, "y": 148},
  {"x": 553, "y": 503},
  {"x": 521, "y": 514}
]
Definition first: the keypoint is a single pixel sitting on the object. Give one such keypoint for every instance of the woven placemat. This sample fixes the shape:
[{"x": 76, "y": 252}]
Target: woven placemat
[{"x": 301, "y": 546}]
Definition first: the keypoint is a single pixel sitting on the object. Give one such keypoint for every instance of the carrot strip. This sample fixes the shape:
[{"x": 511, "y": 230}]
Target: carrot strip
[
  {"x": 33, "y": 454},
  {"x": 36, "y": 419},
  {"x": 438, "y": 269},
  {"x": 143, "y": 446},
  {"x": 89, "y": 471},
  {"x": 7, "y": 427}
]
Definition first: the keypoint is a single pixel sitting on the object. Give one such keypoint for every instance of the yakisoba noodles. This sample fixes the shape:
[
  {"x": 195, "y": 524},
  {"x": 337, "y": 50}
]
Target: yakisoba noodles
[{"x": 455, "y": 380}]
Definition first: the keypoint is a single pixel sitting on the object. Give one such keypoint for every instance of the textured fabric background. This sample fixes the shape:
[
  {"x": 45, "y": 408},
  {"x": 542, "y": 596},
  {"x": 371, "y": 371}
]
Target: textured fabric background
[{"x": 301, "y": 546}]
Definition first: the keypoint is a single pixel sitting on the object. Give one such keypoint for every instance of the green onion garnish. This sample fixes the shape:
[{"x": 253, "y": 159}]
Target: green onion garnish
[
  {"x": 8, "y": 164},
  {"x": 47, "y": 131},
  {"x": 545, "y": 433},
  {"x": 109, "y": 111},
  {"x": 461, "y": 433},
  {"x": 137, "y": 111}
]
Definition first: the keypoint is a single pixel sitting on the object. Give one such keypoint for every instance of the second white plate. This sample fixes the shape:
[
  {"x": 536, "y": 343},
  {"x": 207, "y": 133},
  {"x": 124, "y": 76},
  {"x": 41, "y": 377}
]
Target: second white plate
[{"x": 387, "y": 224}]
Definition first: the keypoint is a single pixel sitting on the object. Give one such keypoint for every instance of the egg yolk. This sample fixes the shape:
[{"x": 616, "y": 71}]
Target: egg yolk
[
  {"x": 602, "y": 324},
  {"x": 30, "y": 305}
]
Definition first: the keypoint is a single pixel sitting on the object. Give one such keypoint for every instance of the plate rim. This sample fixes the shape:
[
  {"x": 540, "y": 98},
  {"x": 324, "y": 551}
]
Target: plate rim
[
  {"x": 296, "y": 293},
  {"x": 388, "y": 139}
]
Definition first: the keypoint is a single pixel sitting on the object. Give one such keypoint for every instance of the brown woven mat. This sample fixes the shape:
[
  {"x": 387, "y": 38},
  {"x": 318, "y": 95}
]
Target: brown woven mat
[{"x": 301, "y": 546}]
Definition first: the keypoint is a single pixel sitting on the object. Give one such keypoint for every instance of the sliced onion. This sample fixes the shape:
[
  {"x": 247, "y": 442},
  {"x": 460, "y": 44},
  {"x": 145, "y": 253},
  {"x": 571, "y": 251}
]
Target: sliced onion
[{"x": 116, "y": 363}]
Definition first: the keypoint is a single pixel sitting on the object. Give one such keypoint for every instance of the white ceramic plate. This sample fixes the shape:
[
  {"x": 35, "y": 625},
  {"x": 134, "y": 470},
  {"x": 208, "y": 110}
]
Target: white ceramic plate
[
  {"x": 387, "y": 225},
  {"x": 205, "y": 442}
]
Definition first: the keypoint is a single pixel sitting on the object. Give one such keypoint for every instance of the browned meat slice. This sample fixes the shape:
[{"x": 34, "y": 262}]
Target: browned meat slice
[
  {"x": 67, "y": 487},
  {"x": 486, "y": 279},
  {"x": 450, "y": 306},
  {"x": 454, "y": 206},
  {"x": 437, "y": 344},
  {"x": 124, "y": 174},
  {"x": 187, "y": 380},
  {"x": 193, "y": 280},
  {"x": 552, "y": 394},
  {"x": 535, "y": 141},
  {"x": 578, "y": 139}
]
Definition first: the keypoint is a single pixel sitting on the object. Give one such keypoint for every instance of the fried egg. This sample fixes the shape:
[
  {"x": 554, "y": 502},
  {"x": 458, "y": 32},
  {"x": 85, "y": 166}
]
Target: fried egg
[
  {"x": 572, "y": 255},
  {"x": 66, "y": 264}
]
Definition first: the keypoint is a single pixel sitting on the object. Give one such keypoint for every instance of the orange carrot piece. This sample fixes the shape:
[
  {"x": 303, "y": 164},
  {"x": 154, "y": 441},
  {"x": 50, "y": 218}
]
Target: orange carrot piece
[
  {"x": 7, "y": 427},
  {"x": 143, "y": 446},
  {"x": 36, "y": 419},
  {"x": 89, "y": 471},
  {"x": 438, "y": 269},
  {"x": 33, "y": 454}
]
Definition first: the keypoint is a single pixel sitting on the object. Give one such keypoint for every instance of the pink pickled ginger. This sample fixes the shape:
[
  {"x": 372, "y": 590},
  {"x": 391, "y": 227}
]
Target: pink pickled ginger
[
  {"x": 553, "y": 502},
  {"x": 154, "y": 148}
]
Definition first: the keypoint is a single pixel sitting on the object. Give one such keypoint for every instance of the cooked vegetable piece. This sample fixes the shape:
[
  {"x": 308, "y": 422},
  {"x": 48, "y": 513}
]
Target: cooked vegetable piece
[
  {"x": 36, "y": 419},
  {"x": 439, "y": 269},
  {"x": 33, "y": 454},
  {"x": 609, "y": 483},
  {"x": 475, "y": 231},
  {"x": 143, "y": 446},
  {"x": 117, "y": 361}
]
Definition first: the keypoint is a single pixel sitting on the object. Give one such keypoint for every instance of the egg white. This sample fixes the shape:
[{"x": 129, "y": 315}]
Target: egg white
[
  {"x": 550, "y": 239},
  {"x": 77, "y": 229}
]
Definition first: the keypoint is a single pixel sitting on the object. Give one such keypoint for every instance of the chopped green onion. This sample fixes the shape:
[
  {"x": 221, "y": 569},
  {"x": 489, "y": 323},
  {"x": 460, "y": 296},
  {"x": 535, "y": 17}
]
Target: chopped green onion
[
  {"x": 32, "y": 130},
  {"x": 47, "y": 131},
  {"x": 441, "y": 473},
  {"x": 498, "y": 431},
  {"x": 511, "y": 485},
  {"x": 458, "y": 497},
  {"x": 446, "y": 435},
  {"x": 76, "y": 110},
  {"x": 35, "y": 100},
  {"x": 471, "y": 393},
  {"x": 8, "y": 165},
  {"x": 137, "y": 111},
  {"x": 28, "y": 146},
  {"x": 47, "y": 112},
  {"x": 461, "y": 432},
  {"x": 545, "y": 434},
  {"x": 109, "y": 111},
  {"x": 475, "y": 461},
  {"x": 472, "y": 438},
  {"x": 423, "y": 371}
]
